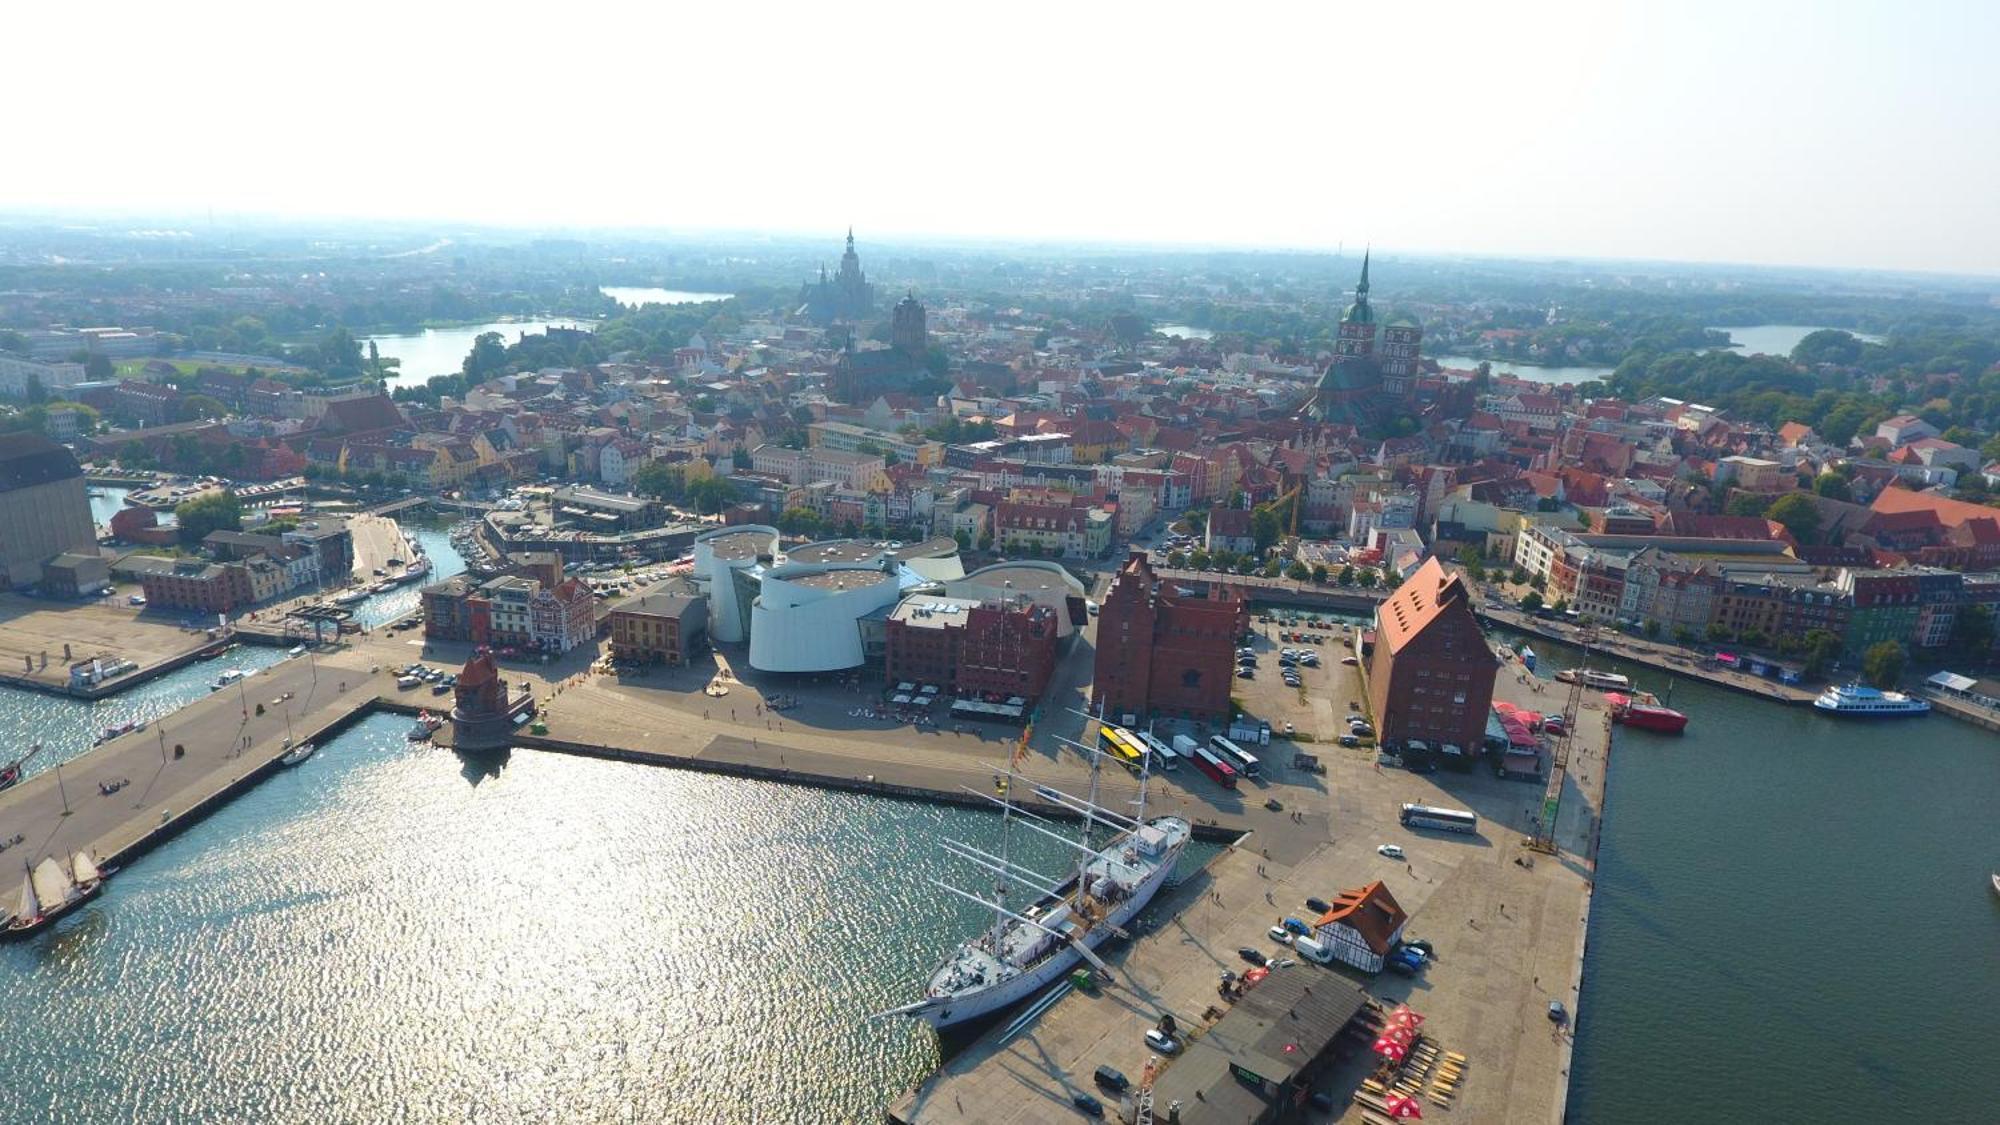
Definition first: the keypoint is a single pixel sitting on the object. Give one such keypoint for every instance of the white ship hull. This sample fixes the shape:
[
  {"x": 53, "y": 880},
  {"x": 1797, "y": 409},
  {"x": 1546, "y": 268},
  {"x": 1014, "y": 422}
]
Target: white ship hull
[{"x": 946, "y": 1011}]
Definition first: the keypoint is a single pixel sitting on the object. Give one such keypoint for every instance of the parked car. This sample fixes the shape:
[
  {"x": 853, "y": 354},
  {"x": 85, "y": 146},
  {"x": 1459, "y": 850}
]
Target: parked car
[
  {"x": 1111, "y": 1080},
  {"x": 1251, "y": 955},
  {"x": 1281, "y": 935},
  {"x": 1317, "y": 906},
  {"x": 1162, "y": 1042},
  {"x": 1393, "y": 851},
  {"x": 1297, "y": 927},
  {"x": 1349, "y": 740},
  {"x": 1087, "y": 1105}
]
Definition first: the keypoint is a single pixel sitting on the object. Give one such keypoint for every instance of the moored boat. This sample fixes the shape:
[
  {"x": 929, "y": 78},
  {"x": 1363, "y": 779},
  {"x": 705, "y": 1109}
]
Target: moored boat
[
  {"x": 351, "y": 597},
  {"x": 1863, "y": 702},
  {"x": 1646, "y": 712},
  {"x": 1021, "y": 952},
  {"x": 297, "y": 754},
  {"x": 50, "y": 891},
  {"x": 227, "y": 678},
  {"x": 1592, "y": 678}
]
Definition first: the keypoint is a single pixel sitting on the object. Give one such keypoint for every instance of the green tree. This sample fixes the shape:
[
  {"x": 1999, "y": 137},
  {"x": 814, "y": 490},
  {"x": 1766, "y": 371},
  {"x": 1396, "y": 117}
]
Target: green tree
[
  {"x": 12, "y": 341},
  {"x": 1366, "y": 578},
  {"x": 1319, "y": 573},
  {"x": 195, "y": 408},
  {"x": 1298, "y": 572},
  {"x": 1519, "y": 576},
  {"x": 1718, "y": 632},
  {"x": 218, "y": 511},
  {"x": 1199, "y": 560},
  {"x": 740, "y": 458},
  {"x": 1798, "y": 515},
  {"x": 1532, "y": 601},
  {"x": 1346, "y": 576},
  {"x": 1264, "y": 527},
  {"x": 804, "y": 521},
  {"x": 1651, "y": 627},
  {"x": 1176, "y": 559},
  {"x": 1833, "y": 486},
  {"x": 99, "y": 366},
  {"x": 1821, "y": 647},
  {"x": 1883, "y": 663},
  {"x": 657, "y": 479},
  {"x": 36, "y": 392},
  {"x": 710, "y": 495},
  {"x": 1971, "y": 634},
  {"x": 487, "y": 358},
  {"x": 339, "y": 354},
  {"x": 1745, "y": 504}
]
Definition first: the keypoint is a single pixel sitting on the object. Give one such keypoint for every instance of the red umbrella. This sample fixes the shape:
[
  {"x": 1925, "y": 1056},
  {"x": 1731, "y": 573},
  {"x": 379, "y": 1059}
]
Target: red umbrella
[
  {"x": 1399, "y": 1035},
  {"x": 1391, "y": 1049},
  {"x": 1403, "y": 1014},
  {"x": 1402, "y": 1105}
]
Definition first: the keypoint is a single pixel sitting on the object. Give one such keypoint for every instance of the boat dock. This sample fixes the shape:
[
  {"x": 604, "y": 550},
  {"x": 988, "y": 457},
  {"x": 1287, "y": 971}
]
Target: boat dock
[
  {"x": 1508, "y": 926},
  {"x": 1664, "y": 657},
  {"x": 35, "y": 631}
]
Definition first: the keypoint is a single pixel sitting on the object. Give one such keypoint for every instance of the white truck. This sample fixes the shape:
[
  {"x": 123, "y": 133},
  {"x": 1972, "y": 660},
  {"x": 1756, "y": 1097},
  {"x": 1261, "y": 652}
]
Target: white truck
[
  {"x": 1312, "y": 950},
  {"x": 1184, "y": 746}
]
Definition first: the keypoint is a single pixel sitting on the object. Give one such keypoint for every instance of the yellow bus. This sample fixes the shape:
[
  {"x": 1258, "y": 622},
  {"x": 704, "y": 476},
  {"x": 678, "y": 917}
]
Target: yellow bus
[{"x": 1122, "y": 745}]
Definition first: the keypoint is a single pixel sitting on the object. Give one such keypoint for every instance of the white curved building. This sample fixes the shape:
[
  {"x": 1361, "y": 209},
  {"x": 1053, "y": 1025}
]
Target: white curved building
[
  {"x": 1039, "y": 580},
  {"x": 719, "y": 556},
  {"x": 813, "y": 612}
]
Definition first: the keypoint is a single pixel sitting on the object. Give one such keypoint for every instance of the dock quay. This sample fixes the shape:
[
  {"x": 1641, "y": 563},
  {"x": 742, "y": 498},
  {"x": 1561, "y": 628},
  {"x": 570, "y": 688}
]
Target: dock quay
[
  {"x": 34, "y": 633},
  {"x": 1508, "y": 927},
  {"x": 1666, "y": 658},
  {"x": 183, "y": 766}
]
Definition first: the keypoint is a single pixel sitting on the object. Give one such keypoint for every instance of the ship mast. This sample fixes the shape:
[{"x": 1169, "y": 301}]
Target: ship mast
[{"x": 1000, "y": 914}]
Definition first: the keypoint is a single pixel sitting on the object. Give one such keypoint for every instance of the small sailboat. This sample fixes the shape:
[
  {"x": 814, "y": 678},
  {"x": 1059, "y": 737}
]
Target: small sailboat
[
  {"x": 1996, "y": 884},
  {"x": 297, "y": 754}
]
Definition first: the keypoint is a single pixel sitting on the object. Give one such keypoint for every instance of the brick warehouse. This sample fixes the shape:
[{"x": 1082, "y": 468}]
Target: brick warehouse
[
  {"x": 974, "y": 647},
  {"x": 1431, "y": 675},
  {"x": 1164, "y": 652}
]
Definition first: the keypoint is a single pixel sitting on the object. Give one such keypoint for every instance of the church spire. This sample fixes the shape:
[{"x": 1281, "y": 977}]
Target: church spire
[
  {"x": 850, "y": 238},
  {"x": 1361, "y": 291}
]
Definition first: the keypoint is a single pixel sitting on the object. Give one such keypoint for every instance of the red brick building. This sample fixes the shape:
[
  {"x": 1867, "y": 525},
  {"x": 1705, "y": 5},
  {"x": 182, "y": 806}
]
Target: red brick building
[
  {"x": 1001, "y": 648},
  {"x": 1160, "y": 652},
  {"x": 198, "y": 585},
  {"x": 1431, "y": 674}
]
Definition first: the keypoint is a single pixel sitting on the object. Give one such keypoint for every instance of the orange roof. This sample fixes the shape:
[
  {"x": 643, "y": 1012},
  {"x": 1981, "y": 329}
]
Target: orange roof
[
  {"x": 1372, "y": 912},
  {"x": 1416, "y": 603},
  {"x": 1949, "y": 512}
]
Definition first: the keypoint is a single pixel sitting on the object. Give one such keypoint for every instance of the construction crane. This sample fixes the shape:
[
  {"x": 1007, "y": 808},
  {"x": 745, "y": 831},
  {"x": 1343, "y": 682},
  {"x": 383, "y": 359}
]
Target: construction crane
[{"x": 1544, "y": 840}]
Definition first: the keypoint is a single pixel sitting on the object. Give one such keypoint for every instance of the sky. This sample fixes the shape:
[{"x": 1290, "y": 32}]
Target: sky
[{"x": 1825, "y": 134}]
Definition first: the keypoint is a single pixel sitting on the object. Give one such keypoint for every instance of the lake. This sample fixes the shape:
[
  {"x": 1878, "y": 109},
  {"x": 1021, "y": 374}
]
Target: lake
[
  {"x": 442, "y": 351},
  {"x": 1778, "y": 339},
  {"x": 1528, "y": 370},
  {"x": 633, "y": 296}
]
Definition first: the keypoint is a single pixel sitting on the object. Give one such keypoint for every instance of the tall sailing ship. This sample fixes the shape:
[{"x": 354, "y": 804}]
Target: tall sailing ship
[
  {"x": 1021, "y": 951},
  {"x": 52, "y": 889}
]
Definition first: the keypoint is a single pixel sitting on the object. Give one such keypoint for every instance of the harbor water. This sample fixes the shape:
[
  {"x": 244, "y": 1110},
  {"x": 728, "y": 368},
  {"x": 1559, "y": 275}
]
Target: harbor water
[
  {"x": 1792, "y": 918},
  {"x": 528, "y": 936}
]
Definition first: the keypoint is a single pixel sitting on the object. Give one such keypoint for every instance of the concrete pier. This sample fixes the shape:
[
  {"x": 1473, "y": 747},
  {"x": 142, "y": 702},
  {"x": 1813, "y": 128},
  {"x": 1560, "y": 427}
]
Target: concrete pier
[{"x": 179, "y": 768}]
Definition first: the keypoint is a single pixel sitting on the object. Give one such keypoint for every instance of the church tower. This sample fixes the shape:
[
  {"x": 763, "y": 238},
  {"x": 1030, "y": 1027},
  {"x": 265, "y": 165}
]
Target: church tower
[
  {"x": 1352, "y": 381},
  {"x": 907, "y": 332}
]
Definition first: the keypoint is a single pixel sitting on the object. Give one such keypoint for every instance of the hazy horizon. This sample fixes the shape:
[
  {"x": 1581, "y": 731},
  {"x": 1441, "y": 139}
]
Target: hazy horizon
[{"x": 1841, "y": 136}]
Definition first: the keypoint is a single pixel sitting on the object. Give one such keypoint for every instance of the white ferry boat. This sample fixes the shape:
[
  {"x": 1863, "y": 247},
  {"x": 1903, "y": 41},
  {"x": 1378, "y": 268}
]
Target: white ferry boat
[
  {"x": 1862, "y": 701},
  {"x": 1592, "y": 678},
  {"x": 1020, "y": 953}
]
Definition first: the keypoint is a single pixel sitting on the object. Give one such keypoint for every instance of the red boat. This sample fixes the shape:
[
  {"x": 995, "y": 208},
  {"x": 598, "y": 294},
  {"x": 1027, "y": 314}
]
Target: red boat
[{"x": 1644, "y": 711}]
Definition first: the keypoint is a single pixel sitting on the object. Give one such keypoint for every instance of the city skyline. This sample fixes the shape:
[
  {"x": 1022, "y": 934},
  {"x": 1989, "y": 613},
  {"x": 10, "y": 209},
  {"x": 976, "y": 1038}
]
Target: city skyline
[{"x": 1604, "y": 132}]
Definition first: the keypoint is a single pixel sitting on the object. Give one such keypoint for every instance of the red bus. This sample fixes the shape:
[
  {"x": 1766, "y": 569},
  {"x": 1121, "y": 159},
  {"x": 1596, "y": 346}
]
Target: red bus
[{"x": 1218, "y": 771}]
